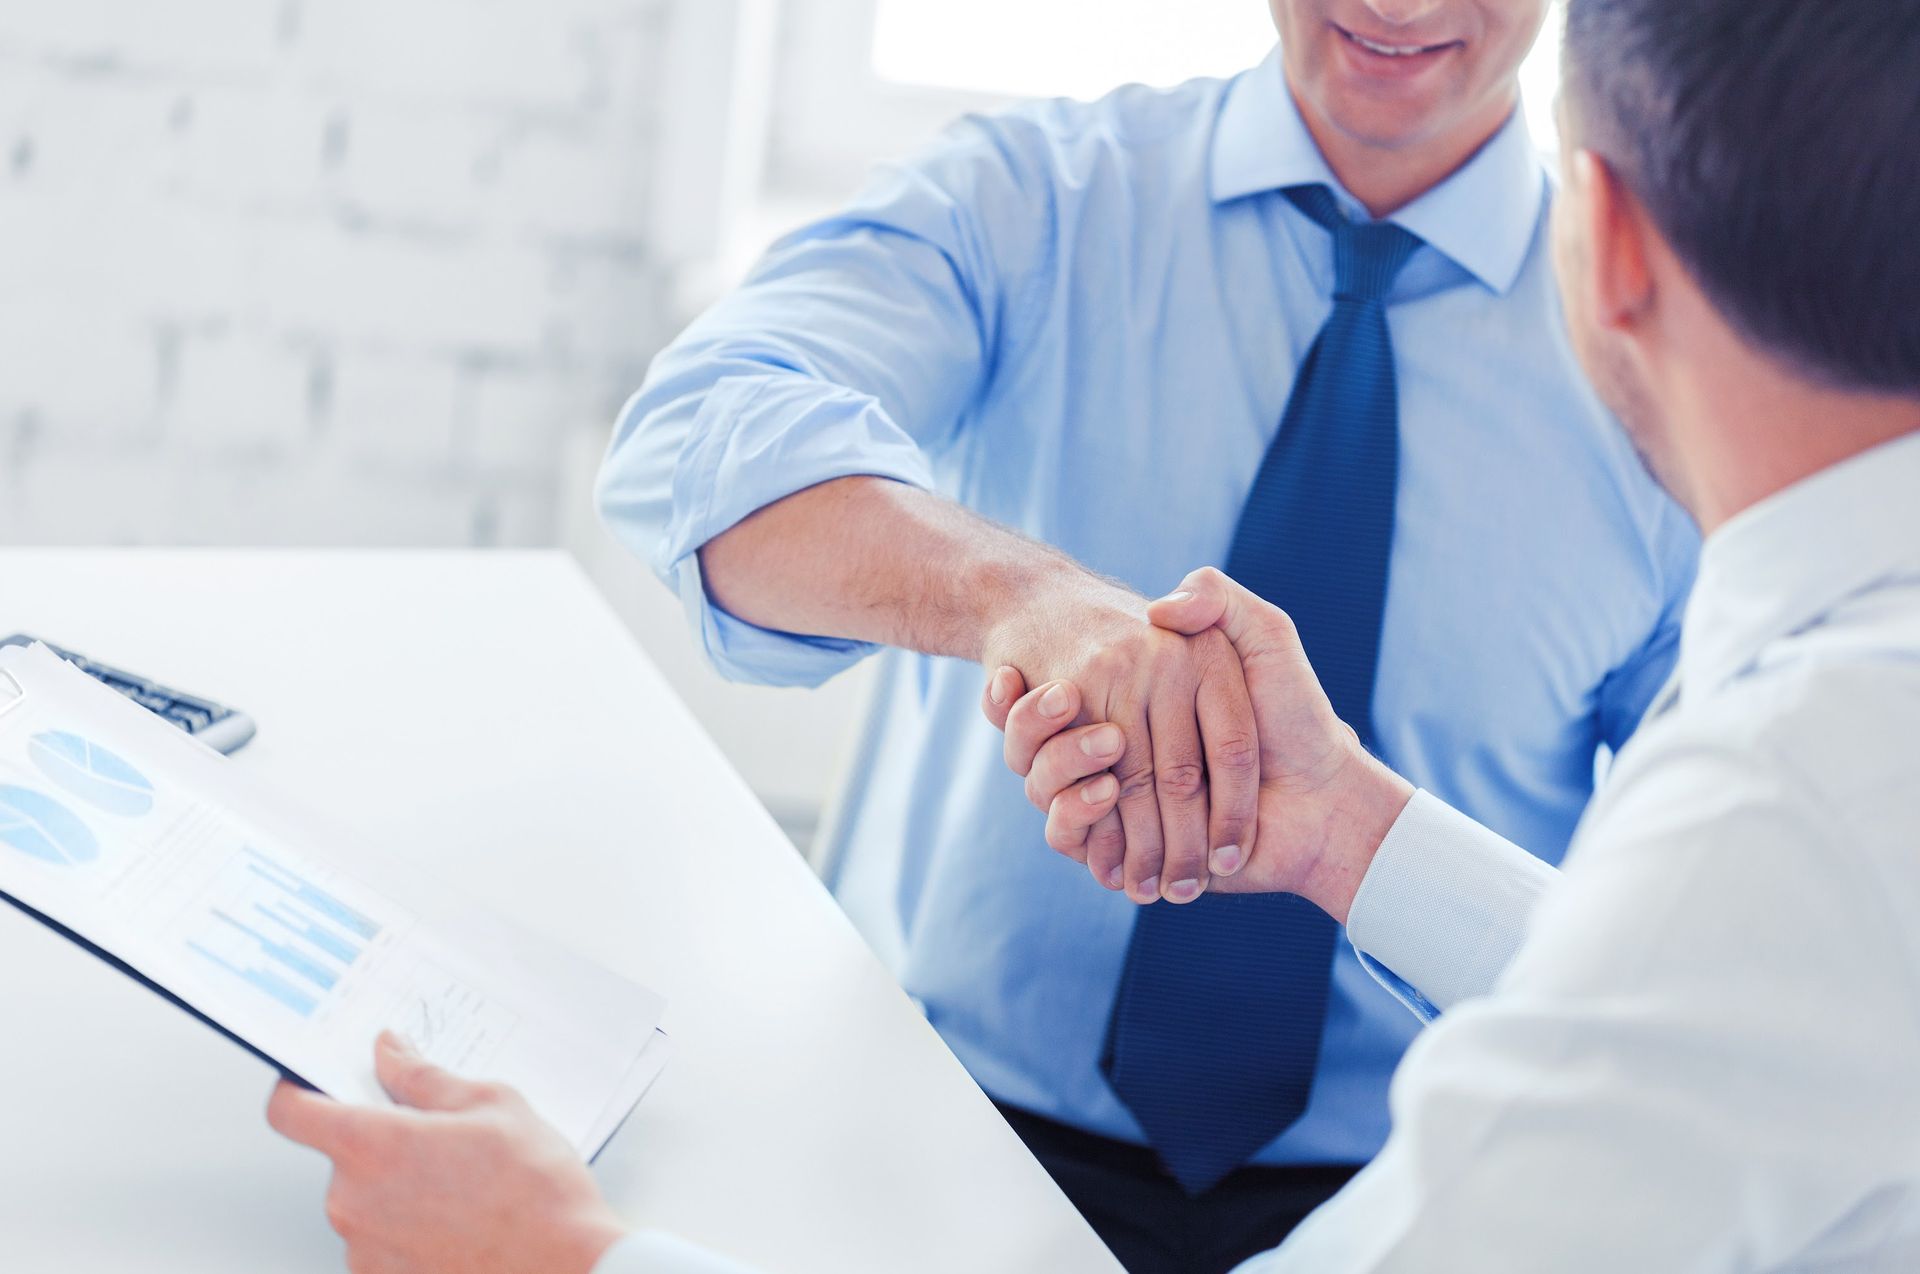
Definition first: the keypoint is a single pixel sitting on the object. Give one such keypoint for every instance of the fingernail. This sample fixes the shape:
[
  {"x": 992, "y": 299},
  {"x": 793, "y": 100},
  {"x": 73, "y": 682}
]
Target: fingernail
[
  {"x": 1099, "y": 790},
  {"x": 1148, "y": 890},
  {"x": 1054, "y": 702},
  {"x": 1102, "y": 741},
  {"x": 1183, "y": 891},
  {"x": 1116, "y": 878},
  {"x": 997, "y": 689},
  {"x": 1226, "y": 860},
  {"x": 395, "y": 1042},
  {"x": 1178, "y": 595}
]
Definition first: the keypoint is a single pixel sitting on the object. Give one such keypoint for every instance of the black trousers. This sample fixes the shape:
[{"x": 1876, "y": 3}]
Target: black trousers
[{"x": 1150, "y": 1222}]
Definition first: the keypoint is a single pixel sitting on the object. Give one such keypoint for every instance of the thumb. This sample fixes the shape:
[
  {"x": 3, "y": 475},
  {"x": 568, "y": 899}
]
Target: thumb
[
  {"x": 1209, "y": 597},
  {"x": 1004, "y": 688},
  {"x": 412, "y": 1080},
  {"x": 1192, "y": 608}
]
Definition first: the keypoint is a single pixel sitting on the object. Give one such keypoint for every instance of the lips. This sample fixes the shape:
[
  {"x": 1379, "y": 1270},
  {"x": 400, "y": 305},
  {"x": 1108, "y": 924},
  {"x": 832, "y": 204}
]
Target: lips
[{"x": 1395, "y": 49}]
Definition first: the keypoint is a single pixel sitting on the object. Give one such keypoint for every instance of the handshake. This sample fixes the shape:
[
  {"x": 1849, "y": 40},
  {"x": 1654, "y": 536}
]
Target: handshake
[{"x": 1189, "y": 748}]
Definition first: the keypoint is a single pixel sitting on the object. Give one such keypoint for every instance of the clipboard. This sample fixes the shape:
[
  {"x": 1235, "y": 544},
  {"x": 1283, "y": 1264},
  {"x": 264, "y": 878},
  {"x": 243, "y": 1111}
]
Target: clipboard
[{"x": 582, "y": 1043}]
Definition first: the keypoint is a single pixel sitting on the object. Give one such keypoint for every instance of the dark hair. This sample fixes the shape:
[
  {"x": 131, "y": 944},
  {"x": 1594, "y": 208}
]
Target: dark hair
[{"x": 1776, "y": 144}]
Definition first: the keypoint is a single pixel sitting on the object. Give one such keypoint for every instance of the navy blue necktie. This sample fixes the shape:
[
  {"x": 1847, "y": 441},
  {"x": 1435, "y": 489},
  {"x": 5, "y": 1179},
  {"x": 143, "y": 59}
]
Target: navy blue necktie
[{"x": 1217, "y": 1020}]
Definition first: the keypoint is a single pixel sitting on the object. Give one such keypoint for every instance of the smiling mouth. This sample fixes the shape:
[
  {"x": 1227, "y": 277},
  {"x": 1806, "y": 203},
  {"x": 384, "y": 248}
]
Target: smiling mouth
[{"x": 1393, "y": 50}]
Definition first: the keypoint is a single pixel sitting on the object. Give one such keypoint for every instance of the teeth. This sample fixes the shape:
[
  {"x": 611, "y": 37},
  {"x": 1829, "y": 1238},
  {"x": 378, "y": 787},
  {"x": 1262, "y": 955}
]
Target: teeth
[{"x": 1390, "y": 50}]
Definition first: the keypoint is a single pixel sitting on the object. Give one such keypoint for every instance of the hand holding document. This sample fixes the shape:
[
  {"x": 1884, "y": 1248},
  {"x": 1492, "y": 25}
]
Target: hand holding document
[{"x": 168, "y": 860}]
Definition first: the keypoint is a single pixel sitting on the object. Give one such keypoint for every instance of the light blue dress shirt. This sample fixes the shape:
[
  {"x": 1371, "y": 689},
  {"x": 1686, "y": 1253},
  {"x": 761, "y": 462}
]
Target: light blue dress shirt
[{"x": 1084, "y": 321}]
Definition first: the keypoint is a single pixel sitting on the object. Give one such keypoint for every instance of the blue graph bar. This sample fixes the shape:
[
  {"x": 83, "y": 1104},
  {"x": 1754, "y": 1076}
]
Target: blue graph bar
[
  {"x": 282, "y": 934},
  {"x": 312, "y": 971},
  {"x": 325, "y": 939},
  {"x": 313, "y": 896},
  {"x": 264, "y": 979}
]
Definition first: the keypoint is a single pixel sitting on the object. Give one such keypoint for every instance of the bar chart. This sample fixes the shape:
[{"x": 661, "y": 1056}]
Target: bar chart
[{"x": 273, "y": 927}]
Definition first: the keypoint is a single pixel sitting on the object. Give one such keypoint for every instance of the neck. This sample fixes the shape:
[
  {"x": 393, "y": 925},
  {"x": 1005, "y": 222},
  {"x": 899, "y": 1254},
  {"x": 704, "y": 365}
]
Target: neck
[
  {"x": 1386, "y": 179},
  {"x": 1747, "y": 429}
]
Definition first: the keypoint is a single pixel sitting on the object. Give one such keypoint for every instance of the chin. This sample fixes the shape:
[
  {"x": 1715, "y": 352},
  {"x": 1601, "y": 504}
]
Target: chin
[
  {"x": 1383, "y": 125},
  {"x": 1385, "y": 116}
]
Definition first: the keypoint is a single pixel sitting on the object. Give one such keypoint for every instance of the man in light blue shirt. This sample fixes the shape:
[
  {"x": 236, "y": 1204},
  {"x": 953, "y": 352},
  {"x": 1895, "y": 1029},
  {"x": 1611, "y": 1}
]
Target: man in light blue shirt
[
  {"x": 1695, "y": 1050},
  {"x": 1084, "y": 321}
]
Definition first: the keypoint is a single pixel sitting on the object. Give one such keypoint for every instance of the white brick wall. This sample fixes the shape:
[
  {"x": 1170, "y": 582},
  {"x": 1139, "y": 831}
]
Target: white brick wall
[
  {"x": 318, "y": 271},
  {"x": 370, "y": 272}
]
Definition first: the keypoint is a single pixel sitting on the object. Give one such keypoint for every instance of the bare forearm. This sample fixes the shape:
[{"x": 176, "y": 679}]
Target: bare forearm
[
  {"x": 874, "y": 560},
  {"x": 877, "y": 561}
]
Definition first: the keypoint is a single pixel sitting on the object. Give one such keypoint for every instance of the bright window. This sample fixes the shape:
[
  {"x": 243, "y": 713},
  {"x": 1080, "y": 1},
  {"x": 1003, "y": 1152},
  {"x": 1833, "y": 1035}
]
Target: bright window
[{"x": 1082, "y": 48}]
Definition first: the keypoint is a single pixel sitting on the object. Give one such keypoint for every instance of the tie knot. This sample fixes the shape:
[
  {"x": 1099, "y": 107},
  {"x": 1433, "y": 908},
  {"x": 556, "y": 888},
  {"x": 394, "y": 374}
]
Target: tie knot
[{"x": 1367, "y": 255}]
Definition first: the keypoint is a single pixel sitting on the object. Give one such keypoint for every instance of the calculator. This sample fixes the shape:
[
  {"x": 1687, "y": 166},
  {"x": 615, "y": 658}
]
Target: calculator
[{"x": 221, "y": 728}]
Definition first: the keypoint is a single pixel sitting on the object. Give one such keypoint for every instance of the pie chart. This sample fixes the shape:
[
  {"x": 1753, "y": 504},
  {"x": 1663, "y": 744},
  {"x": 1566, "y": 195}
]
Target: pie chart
[
  {"x": 44, "y": 828},
  {"x": 92, "y": 773}
]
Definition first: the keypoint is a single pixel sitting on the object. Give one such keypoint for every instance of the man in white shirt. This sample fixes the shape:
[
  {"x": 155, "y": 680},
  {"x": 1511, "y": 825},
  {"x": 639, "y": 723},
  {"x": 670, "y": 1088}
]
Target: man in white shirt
[
  {"x": 1696, "y": 1049},
  {"x": 1702, "y": 1056}
]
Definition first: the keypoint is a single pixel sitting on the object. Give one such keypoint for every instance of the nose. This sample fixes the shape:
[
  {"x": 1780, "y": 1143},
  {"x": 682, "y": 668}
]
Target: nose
[{"x": 1404, "y": 12}]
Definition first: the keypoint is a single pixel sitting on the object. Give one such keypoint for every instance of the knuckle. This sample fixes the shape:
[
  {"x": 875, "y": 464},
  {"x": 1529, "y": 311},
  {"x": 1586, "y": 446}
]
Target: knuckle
[
  {"x": 1235, "y": 753},
  {"x": 1136, "y": 780},
  {"x": 1214, "y": 646},
  {"x": 491, "y": 1093},
  {"x": 1108, "y": 664},
  {"x": 1170, "y": 650},
  {"x": 1180, "y": 781}
]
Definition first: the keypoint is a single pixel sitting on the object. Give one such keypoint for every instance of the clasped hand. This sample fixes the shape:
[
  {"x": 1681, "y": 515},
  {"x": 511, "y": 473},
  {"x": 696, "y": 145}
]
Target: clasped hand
[{"x": 1321, "y": 803}]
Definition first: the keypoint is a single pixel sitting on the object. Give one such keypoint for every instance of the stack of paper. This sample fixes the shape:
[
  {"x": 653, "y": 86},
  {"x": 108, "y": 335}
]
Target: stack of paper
[{"x": 168, "y": 860}]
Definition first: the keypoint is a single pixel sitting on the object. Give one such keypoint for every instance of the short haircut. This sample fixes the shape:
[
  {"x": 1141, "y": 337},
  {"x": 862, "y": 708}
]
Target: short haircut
[{"x": 1776, "y": 145}]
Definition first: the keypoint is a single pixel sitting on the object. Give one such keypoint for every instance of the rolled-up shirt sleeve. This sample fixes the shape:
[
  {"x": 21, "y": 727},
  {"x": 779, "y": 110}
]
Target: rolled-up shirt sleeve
[{"x": 857, "y": 347}]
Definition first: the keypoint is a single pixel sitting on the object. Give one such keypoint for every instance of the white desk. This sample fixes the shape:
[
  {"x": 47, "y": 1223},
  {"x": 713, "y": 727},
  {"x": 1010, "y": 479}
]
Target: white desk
[{"x": 811, "y": 1122}]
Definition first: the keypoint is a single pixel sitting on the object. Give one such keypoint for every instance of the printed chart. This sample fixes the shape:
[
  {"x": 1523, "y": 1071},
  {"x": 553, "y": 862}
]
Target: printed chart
[
  {"x": 90, "y": 772},
  {"x": 41, "y": 827},
  {"x": 272, "y": 927},
  {"x": 49, "y": 829}
]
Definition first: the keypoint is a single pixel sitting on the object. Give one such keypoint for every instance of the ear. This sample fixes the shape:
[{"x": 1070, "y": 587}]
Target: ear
[{"x": 1619, "y": 279}]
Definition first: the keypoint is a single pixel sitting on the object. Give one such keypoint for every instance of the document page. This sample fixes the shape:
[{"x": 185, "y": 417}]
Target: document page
[{"x": 120, "y": 828}]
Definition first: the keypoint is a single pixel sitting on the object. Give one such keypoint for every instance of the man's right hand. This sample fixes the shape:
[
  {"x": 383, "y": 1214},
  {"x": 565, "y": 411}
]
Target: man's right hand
[
  {"x": 1185, "y": 747},
  {"x": 873, "y": 560},
  {"x": 1325, "y": 803}
]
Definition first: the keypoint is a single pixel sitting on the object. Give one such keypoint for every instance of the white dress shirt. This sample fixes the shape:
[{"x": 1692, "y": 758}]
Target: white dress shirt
[
  {"x": 1698, "y": 1047},
  {"x": 1705, "y": 1054}
]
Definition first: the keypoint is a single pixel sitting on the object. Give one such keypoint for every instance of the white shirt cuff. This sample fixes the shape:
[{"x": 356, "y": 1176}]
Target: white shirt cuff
[
  {"x": 651, "y": 1252},
  {"x": 1445, "y": 903}
]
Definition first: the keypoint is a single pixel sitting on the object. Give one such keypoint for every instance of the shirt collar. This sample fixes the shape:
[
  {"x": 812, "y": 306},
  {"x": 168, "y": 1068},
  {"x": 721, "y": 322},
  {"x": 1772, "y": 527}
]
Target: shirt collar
[
  {"x": 1780, "y": 566},
  {"x": 1483, "y": 217}
]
